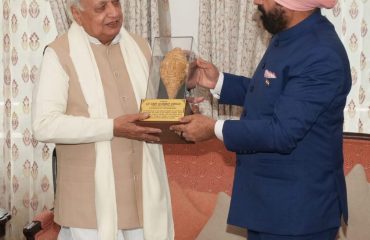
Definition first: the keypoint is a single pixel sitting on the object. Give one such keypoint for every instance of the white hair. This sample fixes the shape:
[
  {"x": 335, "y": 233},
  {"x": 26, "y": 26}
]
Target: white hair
[{"x": 73, "y": 3}]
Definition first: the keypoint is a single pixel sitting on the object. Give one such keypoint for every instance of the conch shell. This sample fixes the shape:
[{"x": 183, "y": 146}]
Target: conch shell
[{"x": 173, "y": 71}]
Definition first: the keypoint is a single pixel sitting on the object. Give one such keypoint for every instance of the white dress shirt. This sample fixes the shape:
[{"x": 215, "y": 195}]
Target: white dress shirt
[{"x": 216, "y": 92}]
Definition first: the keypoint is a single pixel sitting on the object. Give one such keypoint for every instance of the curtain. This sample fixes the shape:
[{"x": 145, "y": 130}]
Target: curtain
[
  {"x": 230, "y": 36},
  {"x": 61, "y": 19},
  {"x": 147, "y": 18},
  {"x": 164, "y": 18},
  {"x": 352, "y": 24},
  {"x": 231, "y": 39},
  {"x": 26, "y": 185}
]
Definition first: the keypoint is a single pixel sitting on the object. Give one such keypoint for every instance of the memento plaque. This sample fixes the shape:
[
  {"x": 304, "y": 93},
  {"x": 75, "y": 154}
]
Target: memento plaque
[{"x": 167, "y": 96}]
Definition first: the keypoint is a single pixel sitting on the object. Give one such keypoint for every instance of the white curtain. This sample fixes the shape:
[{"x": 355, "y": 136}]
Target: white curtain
[
  {"x": 26, "y": 185},
  {"x": 61, "y": 18},
  {"x": 231, "y": 37},
  {"x": 147, "y": 18},
  {"x": 351, "y": 20}
]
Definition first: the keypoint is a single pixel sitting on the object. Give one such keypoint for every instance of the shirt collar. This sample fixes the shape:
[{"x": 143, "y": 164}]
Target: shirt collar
[
  {"x": 93, "y": 40},
  {"x": 300, "y": 27}
]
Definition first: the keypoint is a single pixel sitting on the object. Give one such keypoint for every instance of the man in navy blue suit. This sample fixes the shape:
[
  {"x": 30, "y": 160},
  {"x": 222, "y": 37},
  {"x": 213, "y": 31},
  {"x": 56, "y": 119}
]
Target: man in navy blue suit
[{"x": 289, "y": 181}]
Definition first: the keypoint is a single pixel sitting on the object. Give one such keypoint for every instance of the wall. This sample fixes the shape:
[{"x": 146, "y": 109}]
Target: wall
[{"x": 184, "y": 19}]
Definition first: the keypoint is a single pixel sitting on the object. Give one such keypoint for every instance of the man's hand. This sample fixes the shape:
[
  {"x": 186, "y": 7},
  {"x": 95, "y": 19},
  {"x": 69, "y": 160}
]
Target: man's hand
[
  {"x": 124, "y": 126},
  {"x": 202, "y": 73},
  {"x": 195, "y": 128}
]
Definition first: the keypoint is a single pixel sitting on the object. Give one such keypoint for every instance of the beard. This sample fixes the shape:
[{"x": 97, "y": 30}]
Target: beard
[{"x": 273, "y": 21}]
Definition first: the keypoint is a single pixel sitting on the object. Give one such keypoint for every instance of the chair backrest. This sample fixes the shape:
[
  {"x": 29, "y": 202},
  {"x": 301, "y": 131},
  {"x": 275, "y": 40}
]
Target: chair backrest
[
  {"x": 54, "y": 169},
  {"x": 356, "y": 149},
  {"x": 204, "y": 167},
  {"x": 43, "y": 226},
  {"x": 4, "y": 218}
]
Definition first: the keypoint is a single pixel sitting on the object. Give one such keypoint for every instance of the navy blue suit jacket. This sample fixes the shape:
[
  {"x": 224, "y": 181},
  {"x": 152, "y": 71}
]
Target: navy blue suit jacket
[{"x": 289, "y": 176}]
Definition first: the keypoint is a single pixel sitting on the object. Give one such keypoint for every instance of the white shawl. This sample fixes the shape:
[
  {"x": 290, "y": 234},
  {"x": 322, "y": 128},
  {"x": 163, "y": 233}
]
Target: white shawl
[{"x": 157, "y": 211}]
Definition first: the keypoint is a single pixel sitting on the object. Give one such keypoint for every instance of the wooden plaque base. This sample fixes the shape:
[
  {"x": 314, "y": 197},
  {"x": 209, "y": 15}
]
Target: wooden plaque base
[{"x": 166, "y": 136}]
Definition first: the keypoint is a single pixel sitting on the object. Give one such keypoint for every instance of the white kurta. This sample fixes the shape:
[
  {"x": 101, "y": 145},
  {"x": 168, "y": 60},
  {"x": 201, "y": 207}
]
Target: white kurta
[{"x": 51, "y": 124}]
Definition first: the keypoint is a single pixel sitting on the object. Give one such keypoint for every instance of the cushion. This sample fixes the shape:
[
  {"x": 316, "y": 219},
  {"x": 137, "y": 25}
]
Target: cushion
[
  {"x": 217, "y": 228},
  {"x": 50, "y": 233},
  {"x": 188, "y": 220},
  {"x": 204, "y": 202},
  {"x": 46, "y": 218},
  {"x": 358, "y": 193}
]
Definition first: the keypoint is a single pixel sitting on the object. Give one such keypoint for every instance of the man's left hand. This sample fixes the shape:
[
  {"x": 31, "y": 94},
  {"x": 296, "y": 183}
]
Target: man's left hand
[{"x": 195, "y": 128}]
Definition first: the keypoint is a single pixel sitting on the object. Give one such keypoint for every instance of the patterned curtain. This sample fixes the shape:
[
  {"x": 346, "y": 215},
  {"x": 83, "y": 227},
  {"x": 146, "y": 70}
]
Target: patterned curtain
[
  {"x": 164, "y": 18},
  {"x": 61, "y": 19},
  {"x": 147, "y": 18},
  {"x": 27, "y": 26},
  {"x": 233, "y": 40},
  {"x": 352, "y": 25},
  {"x": 26, "y": 186}
]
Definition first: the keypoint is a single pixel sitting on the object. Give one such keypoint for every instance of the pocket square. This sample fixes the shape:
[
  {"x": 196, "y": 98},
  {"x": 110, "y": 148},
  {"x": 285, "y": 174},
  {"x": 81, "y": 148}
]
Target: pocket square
[{"x": 269, "y": 74}]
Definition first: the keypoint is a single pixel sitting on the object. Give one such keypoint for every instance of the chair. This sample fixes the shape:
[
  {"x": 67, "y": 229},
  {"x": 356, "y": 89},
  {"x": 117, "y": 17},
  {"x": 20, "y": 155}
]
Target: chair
[
  {"x": 4, "y": 218},
  {"x": 191, "y": 170},
  {"x": 43, "y": 226}
]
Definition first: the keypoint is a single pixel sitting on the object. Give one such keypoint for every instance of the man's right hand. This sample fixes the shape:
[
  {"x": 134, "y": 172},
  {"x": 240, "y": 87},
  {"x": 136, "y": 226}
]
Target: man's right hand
[
  {"x": 124, "y": 126},
  {"x": 202, "y": 73}
]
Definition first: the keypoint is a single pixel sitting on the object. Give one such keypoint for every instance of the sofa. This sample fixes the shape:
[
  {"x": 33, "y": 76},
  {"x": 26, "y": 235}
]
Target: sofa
[
  {"x": 200, "y": 178},
  {"x": 357, "y": 169},
  {"x": 200, "y": 175}
]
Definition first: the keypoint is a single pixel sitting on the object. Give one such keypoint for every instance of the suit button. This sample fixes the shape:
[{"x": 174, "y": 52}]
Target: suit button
[
  {"x": 263, "y": 65},
  {"x": 244, "y": 113}
]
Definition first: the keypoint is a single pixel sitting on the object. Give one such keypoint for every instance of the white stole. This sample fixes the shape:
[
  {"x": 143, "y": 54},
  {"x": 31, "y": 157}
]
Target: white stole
[{"x": 157, "y": 211}]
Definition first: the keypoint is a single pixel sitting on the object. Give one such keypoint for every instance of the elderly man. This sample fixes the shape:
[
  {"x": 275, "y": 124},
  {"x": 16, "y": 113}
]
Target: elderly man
[
  {"x": 111, "y": 183},
  {"x": 289, "y": 180}
]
